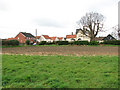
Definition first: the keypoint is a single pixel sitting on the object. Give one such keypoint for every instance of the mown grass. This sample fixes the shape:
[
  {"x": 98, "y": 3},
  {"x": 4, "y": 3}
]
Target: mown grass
[{"x": 20, "y": 71}]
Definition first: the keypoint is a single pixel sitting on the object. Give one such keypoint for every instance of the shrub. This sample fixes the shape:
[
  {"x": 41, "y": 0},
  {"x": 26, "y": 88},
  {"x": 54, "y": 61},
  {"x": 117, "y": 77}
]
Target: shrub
[
  {"x": 62, "y": 43},
  {"x": 49, "y": 43},
  {"x": 71, "y": 43},
  {"x": 81, "y": 43},
  {"x": 28, "y": 42},
  {"x": 93, "y": 43},
  {"x": 10, "y": 42},
  {"x": 113, "y": 42},
  {"x": 42, "y": 43}
]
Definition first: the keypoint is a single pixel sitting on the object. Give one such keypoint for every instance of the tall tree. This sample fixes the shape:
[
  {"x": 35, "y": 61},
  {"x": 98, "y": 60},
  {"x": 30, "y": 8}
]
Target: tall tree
[
  {"x": 91, "y": 24},
  {"x": 116, "y": 32}
]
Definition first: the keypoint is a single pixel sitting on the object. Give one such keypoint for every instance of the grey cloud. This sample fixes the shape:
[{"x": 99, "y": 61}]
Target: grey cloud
[{"x": 49, "y": 23}]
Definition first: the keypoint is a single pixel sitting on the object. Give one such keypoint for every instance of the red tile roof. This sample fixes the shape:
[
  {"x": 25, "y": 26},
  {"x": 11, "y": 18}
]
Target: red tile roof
[
  {"x": 70, "y": 36},
  {"x": 11, "y": 38},
  {"x": 37, "y": 37},
  {"x": 46, "y": 36},
  {"x": 53, "y": 38},
  {"x": 60, "y": 38}
]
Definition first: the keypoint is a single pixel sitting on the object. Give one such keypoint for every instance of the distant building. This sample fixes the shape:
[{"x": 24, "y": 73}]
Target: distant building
[
  {"x": 80, "y": 36},
  {"x": 45, "y": 38},
  {"x": 61, "y": 38},
  {"x": 38, "y": 38},
  {"x": 102, "y": 39},
  {"x": 54, "y": 39},
  {"x": 70, "y": 38},
  {"x": 23, "y": 36}
]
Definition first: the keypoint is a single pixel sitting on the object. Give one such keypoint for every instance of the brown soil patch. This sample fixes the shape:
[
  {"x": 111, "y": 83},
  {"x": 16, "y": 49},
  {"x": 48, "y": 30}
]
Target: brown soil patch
[{"x": 62, "y": 50}]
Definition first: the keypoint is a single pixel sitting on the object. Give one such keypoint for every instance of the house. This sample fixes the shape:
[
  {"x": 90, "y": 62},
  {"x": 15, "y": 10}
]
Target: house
[
  {"x": 38, "y": 38},
  {"x": 61, "y": 38},
  {"x": 109, "y": 37},
  {"x": 102, "y": 39},
  {"x": 70, "y": 38},
  {"x": 45, "y": 38},
  {"x": 81, "y": 37},
  {"x": 23, "y": 36},
  {"x": 54, "y": 39}
]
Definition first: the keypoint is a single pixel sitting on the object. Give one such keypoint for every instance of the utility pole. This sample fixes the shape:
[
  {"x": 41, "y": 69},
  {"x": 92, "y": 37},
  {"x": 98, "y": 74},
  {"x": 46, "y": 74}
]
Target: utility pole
[{"x": 36, "y": 36}]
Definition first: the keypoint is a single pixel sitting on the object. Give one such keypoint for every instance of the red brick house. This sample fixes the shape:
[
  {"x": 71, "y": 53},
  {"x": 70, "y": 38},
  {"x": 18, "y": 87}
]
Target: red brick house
[{"x": 23, "y": 36}]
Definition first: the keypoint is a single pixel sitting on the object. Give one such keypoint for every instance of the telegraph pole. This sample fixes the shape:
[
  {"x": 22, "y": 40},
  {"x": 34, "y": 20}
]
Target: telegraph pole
[{"x": 36, "y": 36}]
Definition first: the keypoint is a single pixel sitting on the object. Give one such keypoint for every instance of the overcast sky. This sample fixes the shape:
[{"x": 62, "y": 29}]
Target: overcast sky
[{"x": 52, "y": 17}]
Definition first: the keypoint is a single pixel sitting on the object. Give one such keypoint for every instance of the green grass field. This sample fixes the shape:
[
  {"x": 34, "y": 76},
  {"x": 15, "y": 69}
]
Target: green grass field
[{"x": 20, "y": 71}]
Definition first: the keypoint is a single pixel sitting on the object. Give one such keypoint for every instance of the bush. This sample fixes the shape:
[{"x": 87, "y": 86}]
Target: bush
[
  {"x": 81, "y": 43},
  {"x": 62, "y": 43},
  {"x": 28, "y": 42},
  {"x": 10, "y": 42},
  {"x": 113, "y": 42},
  {"x": 42, "y": 43},
  {"x": 93, "y": 43},
  {"x": 49, "y": 43},
  {"x": 71, "y": 43}
]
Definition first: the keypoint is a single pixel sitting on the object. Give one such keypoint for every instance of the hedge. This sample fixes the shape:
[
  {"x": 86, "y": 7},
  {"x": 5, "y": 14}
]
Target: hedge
[
  {"x": 62, "y": 43},
  {"x": 93, "y": 43},
  {"x": 42, "y": 43},
  {"x": 113, "y": 42},
  {"x": 81, "y": 43},
  {"x": 10, "y": 42}
]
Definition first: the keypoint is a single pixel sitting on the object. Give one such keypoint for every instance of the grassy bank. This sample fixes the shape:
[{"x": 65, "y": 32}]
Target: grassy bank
[{"x": 59, "y": 71}]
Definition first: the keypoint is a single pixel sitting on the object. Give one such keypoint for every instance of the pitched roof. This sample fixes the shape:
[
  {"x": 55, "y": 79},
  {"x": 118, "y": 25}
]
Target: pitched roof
[
  {"x": 70, "y": 36},
  {"x": 27, "y": 34},
  {"x": 11, "y": 38},
  {"x": 53, "y": 38},
  {"x": 60, "y": 38},
  {"x": 46, "y": 36},
  {"x": 98, "y": 38},
  {"x": 37, "y": 37}
]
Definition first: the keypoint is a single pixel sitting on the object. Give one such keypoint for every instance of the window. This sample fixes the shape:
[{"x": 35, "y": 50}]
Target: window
[{"x": 18, "y": 38}]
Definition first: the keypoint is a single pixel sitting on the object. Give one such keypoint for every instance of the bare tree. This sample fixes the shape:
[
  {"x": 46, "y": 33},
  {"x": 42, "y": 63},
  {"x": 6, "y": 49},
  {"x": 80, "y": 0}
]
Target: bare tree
[
  {"x": 116, "y": 32},
  {"x": 91, "y": 24}
]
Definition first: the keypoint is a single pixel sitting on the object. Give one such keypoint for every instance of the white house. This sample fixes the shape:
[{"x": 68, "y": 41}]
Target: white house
[
  {"x": 38, "y": 38},
  {"x": 61, "y": 38},
  {"x": 81, "y": 37},
  {"x": 54, "y": 39},
  {"x": 45, "y": 38},
  {"x": 70, "y": 38}
]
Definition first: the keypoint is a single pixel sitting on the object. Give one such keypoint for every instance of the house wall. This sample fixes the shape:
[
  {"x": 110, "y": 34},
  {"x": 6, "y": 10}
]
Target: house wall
[
  {"x": 21, "y": 38},
  {"x": 69, "y": 39},
  {"x": 43, "y": 39},
  {"x": 82, "y": 37}
]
